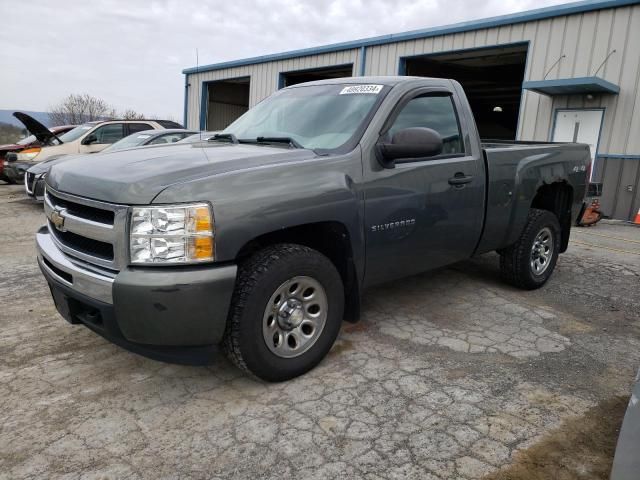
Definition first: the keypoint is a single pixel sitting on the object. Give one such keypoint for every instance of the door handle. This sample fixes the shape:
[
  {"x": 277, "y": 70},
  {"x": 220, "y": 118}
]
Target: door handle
[{"x": 460, "y": 179}]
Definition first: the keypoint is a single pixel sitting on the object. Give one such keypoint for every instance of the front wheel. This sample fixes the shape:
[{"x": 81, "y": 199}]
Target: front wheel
[
  {"x": 530, "y": 261},
  {"x": 286, "y": 312}
]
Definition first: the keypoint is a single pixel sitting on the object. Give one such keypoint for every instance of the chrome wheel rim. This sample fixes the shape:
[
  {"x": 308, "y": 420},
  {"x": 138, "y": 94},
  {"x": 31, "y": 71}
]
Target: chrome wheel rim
[
  {"x": 542, "y": 251},
  {"x": 294, "y": 317}
]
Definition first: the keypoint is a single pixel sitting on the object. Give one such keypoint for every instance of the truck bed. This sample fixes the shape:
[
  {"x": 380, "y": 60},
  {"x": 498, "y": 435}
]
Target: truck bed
[
  {"x": 514, "y": 172},
  {"x": 488, "y": 143}
]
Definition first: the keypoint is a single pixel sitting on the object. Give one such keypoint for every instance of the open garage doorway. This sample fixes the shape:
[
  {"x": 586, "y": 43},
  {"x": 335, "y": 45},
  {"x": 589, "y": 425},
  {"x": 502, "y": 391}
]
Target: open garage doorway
[
  {"x": 309, "y": 75},
  {"x": 492, "y": 79},
  {"x": 228, "y": 99}
]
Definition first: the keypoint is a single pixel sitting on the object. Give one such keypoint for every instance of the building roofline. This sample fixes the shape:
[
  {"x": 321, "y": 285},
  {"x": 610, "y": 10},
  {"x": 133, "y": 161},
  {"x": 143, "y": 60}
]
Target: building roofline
[{"x": 512, "y": 18}]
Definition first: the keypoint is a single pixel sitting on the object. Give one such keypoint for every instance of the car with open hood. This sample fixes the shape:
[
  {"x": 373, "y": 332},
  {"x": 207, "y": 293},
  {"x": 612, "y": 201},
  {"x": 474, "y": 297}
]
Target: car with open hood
[
  {"x": 90, "y": 137},
  {"x": 36, "y": 174},
  {"x": 30, "y": 145}
]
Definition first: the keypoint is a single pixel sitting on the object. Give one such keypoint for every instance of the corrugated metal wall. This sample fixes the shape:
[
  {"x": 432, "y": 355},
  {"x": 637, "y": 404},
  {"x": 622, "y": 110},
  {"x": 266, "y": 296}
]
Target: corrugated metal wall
[
  {"x": 225, "y": 113},
  {"x": 264, "y": 77},
  {"x": 585, "y": 40},
  {"x": 620, "y": 186}
]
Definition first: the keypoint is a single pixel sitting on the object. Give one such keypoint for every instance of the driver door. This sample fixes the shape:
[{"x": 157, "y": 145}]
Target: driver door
[{"x": 419, "y": 215}]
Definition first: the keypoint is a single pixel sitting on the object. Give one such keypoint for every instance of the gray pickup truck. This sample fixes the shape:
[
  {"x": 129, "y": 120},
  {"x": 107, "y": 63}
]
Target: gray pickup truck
[{"x": 262, "y": 239}]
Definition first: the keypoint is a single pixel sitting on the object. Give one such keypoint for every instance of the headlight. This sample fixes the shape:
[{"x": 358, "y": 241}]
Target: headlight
[
  {"x": 172, "y": 234},
  {"x": 28, "y": 154}
]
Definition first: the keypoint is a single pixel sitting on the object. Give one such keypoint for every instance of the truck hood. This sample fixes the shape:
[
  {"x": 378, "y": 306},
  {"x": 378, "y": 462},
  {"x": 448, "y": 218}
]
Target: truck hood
[
  {"x": 45, "y": 166},
  {"x": 138, "y": 175}
]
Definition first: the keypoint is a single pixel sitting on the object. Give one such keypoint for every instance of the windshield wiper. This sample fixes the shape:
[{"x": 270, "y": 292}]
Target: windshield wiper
[
  {"x": 292, "y": 142},
  {"x": 226, "y": 137}
]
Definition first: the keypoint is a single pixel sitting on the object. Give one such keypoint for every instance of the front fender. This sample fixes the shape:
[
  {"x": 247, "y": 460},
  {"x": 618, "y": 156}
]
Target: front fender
[{"x": 253, "y": 202}]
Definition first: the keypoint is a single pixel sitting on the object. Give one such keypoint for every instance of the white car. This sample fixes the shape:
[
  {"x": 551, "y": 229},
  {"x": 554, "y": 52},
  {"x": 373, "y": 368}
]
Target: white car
[
  {"x": 35, "y": 175},
  {"x": 92, "y": 137}
]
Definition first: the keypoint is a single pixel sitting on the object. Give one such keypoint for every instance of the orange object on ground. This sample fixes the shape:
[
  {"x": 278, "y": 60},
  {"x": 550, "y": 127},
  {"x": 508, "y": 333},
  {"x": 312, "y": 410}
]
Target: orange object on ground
[
  {"x": 591, "y": 215},
  {"x": 637, "y": 219}
]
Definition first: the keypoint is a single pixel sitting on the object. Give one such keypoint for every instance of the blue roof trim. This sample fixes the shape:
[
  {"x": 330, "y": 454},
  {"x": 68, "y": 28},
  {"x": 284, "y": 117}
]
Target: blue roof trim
[
  {"x": 571, "y": 86},
  {"x": 528, "y": 16}
]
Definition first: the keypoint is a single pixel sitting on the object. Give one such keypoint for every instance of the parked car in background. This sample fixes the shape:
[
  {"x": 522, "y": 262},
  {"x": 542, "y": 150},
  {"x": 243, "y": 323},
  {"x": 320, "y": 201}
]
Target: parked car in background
[
  {"x": 35, "y": 176},
  {"x": 199, "y": 137},
  {"x": 150, "y": 137},
  {"x": 91, "y": 137},
  {"x": 28, "y": 146}
]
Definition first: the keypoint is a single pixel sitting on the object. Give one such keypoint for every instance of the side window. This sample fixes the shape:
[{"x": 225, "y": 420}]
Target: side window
[
  {"x": 138, "y": 127},
  {"x": 435, "y": 112},
  {"x": 168, "y": 138},
  {"x": 110, "y": 133}
]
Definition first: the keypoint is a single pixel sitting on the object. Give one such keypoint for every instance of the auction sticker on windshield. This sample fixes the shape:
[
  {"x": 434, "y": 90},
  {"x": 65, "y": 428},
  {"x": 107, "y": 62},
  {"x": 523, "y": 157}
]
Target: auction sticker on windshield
[{"x": 375, "y": 89}]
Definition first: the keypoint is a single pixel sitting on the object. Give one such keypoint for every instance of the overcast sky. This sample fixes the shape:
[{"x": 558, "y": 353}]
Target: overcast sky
[{"x": 131, "y": 53}]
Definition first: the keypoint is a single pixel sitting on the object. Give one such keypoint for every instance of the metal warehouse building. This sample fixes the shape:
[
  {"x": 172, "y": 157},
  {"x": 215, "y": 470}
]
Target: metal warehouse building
[{"x": 564, "y": 73}]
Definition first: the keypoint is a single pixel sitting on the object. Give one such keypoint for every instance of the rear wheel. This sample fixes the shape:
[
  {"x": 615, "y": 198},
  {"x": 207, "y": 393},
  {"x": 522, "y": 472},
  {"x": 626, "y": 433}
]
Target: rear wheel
[
  {"x": 286, "y": 312},
  {"x": 530, "y": 261}
]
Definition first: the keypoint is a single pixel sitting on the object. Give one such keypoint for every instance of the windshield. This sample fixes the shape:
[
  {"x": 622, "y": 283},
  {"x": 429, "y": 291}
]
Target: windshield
[
  {"x": 131, "y": 141},
  {"x": 76, "y": 133},
  {"x": 315, "y": 117},
  {"x": 27, "y": 140}
]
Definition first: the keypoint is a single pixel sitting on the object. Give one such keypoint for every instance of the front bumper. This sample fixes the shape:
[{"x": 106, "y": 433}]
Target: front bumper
[
  {"x": 175, "y": 314},
  {"x": 15, "y": 171}
]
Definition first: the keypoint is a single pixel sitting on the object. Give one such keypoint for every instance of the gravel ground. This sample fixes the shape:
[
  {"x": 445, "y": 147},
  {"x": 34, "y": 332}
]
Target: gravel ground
[{"x": 450, "y": 374}]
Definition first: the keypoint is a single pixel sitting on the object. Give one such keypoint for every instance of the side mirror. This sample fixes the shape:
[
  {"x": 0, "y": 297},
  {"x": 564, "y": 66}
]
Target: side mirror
[
  {"x": 89, "y": 139},
  {"x": 414, "y": 142}
]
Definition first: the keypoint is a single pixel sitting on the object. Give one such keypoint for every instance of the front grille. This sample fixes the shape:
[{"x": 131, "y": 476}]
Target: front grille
[
  {"x": 38, "y": 189},
  {"x": 89, "y": 231},
  {"x": 83, "y": 211},
  {"x": 85, "y": 245}
]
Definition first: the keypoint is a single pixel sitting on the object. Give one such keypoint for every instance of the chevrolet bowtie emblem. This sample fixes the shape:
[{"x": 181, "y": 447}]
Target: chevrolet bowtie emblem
[{"x": 57, "y": 218}]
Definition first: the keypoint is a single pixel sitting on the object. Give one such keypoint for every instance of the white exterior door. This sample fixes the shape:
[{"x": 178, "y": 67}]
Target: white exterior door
[{"x": 581, "y": 126}]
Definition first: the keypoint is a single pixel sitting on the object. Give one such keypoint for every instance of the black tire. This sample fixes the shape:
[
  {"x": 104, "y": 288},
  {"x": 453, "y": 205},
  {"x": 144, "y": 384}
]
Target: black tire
[
  {"x": 515, "y": 261},
  {"x": 258, "y": 278}
]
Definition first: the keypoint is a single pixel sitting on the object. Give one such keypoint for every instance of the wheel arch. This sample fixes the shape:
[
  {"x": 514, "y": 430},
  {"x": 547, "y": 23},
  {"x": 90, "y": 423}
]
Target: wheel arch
[
  {"x": 332, "y": 239},
  {"x": 557, "y": 198}
]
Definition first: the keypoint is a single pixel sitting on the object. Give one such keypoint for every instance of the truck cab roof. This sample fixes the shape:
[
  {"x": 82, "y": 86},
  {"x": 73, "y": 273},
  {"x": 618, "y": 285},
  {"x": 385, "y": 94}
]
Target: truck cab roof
[{"x": 390, "y": 80}]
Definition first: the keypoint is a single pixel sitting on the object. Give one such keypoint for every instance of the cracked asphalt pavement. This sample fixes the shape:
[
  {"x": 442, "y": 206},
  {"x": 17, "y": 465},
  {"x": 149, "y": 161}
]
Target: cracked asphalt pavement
[{"x": 449, "y": 375}]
